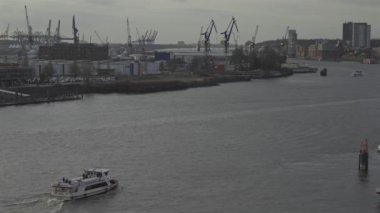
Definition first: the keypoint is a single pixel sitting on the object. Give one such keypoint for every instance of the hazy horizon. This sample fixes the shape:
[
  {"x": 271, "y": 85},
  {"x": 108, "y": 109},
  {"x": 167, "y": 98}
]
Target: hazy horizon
[{"x": 181, "y": 20}]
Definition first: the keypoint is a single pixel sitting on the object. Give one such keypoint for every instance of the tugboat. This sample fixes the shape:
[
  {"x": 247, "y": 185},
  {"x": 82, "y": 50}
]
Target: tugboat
[{"x": 92, "y": 182}]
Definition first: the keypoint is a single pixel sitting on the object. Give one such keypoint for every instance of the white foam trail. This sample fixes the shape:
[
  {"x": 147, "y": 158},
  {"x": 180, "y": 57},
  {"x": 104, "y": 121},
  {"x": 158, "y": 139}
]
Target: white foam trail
[
  {"x": 55, "y": 204},
  {"x": 41, "y": 204}
]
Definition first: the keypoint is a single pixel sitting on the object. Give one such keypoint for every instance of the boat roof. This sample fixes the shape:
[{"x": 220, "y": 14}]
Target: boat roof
[{"x": 97, "y": 170}]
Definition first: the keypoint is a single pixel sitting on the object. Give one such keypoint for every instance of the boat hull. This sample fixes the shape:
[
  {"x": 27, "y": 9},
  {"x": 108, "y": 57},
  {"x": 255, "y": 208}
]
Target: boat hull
[{"x": 76, "y": 196}]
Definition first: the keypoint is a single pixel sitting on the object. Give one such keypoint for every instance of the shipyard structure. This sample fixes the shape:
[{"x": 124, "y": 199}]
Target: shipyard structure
[{"x": 66, "y": 51}]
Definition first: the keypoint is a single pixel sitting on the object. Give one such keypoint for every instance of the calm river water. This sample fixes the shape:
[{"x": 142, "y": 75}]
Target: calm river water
[{"x": 279, "y": 145}]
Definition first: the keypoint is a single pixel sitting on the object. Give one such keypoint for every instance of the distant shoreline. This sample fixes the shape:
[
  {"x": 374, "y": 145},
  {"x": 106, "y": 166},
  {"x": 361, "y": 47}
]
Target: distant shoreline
[{"x": 161, "y": 83}]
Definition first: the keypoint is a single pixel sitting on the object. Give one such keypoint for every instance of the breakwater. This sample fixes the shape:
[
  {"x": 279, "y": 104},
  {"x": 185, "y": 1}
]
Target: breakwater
[{"x": 34, "y": 94}]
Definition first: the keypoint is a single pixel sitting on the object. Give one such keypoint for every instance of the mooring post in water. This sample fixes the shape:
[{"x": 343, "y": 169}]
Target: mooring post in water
[
  {"x": 363, "y": 157},
  {"x": 323, "y": 72}
]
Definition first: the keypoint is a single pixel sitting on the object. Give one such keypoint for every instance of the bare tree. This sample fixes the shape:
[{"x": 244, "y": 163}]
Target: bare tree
[{"x": 46, "y": 72}]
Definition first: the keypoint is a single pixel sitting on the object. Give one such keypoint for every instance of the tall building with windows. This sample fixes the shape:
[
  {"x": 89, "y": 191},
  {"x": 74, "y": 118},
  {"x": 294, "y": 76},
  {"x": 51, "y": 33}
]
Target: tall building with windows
[
  {"x": 357, "y": 35},
  {"x": 292, "y": 43}
]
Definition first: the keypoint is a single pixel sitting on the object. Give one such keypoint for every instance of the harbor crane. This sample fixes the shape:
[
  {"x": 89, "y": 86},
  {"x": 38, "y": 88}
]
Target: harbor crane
[
  {"x": 48, "y": 38},
  {"x": 207, "y": 35},
  {"x": 48, "y": 32},
  {"x": 152, "y": 37},
  {"x": 253, "y": 42},
  {"x": 100, "y": 39},
  {"x": 129, "y": 41},
  {"x": 228, "y": 32},
  {"x": 255, "y": 36},
  {"x": 57, "y": 36},
  {"x": 285, "y": 36},
  {"x": 7, "y": 31},
  {"x": 5, "y": 35},
  {"x": 141, "y": 40},
  {"x": 29, "y": 27},
  {"x": 199, "y": 40},
  {"x": 75, "y": 32},
  {"x": 138, "y": 36}
]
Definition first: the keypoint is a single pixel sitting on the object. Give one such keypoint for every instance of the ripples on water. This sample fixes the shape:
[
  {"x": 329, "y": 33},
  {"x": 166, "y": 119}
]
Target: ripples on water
[
  {"x": 279, "y": 145},
  {"x": 37, "y": 203}
]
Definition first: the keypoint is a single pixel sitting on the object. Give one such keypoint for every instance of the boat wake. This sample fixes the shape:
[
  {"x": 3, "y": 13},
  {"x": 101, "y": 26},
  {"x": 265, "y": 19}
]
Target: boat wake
[{"x": 37, "y": 203}]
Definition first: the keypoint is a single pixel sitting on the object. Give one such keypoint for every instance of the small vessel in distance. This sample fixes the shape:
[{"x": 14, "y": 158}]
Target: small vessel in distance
[
  {"x": 92, "y": 182},
  {"x": 357, "y": 73}
]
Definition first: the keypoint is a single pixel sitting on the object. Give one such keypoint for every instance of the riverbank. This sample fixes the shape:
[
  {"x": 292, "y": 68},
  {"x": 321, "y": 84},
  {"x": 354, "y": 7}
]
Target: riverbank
[{"x": 130, "y": 85}]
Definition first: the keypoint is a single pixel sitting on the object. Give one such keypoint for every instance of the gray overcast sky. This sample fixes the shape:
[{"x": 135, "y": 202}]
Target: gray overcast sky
[{"x": 181, "y": 19}]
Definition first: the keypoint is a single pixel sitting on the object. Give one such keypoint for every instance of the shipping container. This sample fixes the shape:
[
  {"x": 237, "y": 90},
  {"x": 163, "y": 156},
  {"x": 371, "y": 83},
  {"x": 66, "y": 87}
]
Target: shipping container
[{"x": 162, "y": 56}]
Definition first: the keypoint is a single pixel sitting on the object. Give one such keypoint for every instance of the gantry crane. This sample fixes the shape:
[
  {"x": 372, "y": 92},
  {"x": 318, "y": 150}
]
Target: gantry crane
[
  {"x": 255, "y": 35},
  {"x": 207, "y": 35},
  {"x": 29, "y": 27},
  {"x": 228, "y": 32},
  {"x": 253, "y": 42},
  {"x": 58, "y": 31},
  {"x": 48, "y": 31},
  {"x": 285, "y": 36},
  {"x": 5, "y": 35},
  {"x": 75, "y": 32},
  {"x": 199, "y": 40},
  {"x": 129, "y": 41},
  {"x": 48, "y": 38},
  {"x": 100, "y": 39}
]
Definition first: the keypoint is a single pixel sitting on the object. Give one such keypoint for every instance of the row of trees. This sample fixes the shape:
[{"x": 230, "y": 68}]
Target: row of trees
[
  {"x": 75, "y": 70},
  {"x": 266, "y": 58}
]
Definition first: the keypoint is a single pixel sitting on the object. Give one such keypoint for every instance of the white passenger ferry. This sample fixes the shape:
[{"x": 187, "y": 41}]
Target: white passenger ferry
[{"x": 92, "y": 182}]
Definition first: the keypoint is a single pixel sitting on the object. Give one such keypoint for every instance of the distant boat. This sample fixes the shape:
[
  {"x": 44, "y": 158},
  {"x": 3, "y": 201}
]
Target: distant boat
[
  {"x": 357, "y": 73},
  {"x": 305, "y": 69},
  {"x": 378, "y": 148},
  {"x": 323, "y": 72},
  {"x": 92, "y": 182}
]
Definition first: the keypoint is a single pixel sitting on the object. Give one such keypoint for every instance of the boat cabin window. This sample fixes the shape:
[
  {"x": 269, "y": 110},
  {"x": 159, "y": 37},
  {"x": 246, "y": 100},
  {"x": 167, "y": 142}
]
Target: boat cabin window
[
  {"x": 98, "y": 185},
  {"x": 63, "y": 190},
  {"x": 88, "y": 174}
]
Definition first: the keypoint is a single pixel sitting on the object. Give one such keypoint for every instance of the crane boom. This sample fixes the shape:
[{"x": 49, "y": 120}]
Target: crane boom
[
  {"x": 75, "y": 32},
  {"x": 138, "y": 35},
  {"x": 286, "y": 33},
  {"x": 30, "y": 36},
  {"x": 227, "y": 33},
  {"x": 155, "y": 35},
  {"x": 129, "y": 34},
  {"x": 207, "y": 35},
  {"x": 283, "y": 43},
  {"x": 6, "y": 31},
  {"x": 199, "y": 40},
  {"x": 48, "y": 32},
  {"x": 149, "y": 38},
  {"x": 97, "y": 35},
  {"x": 255, "y": 35},
  {"x": 57, "y": 32}
]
